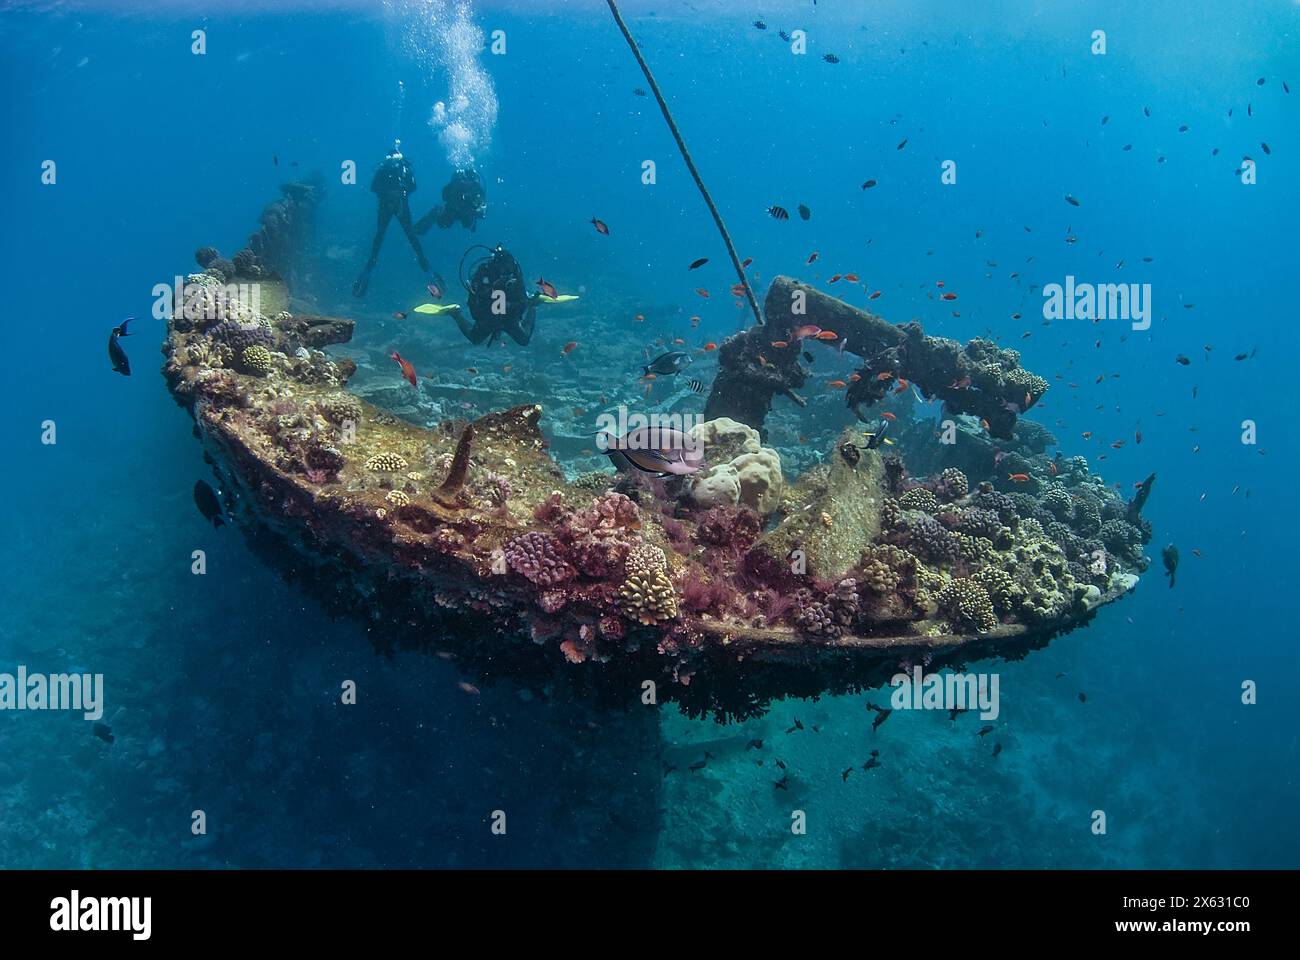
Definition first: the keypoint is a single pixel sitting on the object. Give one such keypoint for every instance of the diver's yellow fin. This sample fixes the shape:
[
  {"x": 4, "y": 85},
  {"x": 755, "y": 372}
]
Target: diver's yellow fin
[
  {"x": 562, "y": 298},
  {"x": 436, "y": 308}
]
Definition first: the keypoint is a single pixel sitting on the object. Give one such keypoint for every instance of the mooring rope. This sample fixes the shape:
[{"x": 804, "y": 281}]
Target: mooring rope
[{"x": 686, "y": 155}]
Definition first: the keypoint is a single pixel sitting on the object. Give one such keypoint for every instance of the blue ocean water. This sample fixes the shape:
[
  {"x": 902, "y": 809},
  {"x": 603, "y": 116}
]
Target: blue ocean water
[{"x": 222, "y": 691}]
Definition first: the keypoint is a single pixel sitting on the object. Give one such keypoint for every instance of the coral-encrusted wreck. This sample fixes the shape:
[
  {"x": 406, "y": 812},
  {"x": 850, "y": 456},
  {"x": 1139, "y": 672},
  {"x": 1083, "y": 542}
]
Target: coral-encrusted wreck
[{"x": 727, "y": 589}]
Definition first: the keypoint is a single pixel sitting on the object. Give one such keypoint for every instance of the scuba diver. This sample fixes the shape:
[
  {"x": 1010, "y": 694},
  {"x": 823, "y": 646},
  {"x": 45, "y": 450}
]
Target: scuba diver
[
  {"x": 393, "y": 183},
  {"x": 499, "y": 301},
  {"x": 464, "y": 201}
]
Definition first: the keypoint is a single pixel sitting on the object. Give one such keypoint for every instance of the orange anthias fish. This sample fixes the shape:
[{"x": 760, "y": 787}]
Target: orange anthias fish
[
  {"x": 851, "y": 277},
  {"x": 546, "y": 288},
  {"x": 874, "y": 295},
  {"x": 1018, "y": 477},
  {"x": 889, "y": 416},
  {"x": 408, "y": 371},
  {"x": 948, "y": 296},
  {"x": 639, "y": 318},
  {"x": 710, "y": 346},
  {"x": 828, "y": 335},
  {"x": 1052, "y": 466},
  {"x": 837, "y": 384},
  {"x": 812, "y": 256},
  {"x": 855, "y": 377},
  {"x": 902, "y": 385},
  {"x": 737, "y": 289},
  {"x": 884, "y": 375},
  {"x": 780, "y": 344},
  {"x": 399, "y": 315},
  {"x": 569, "y": 348},
  {"x": 835, "y": 279},
  {"x": 469, "y": 688},
  {"x": 702, "y": 292},
  {"x": 961, "y": 384},
  {"x": 695, "y": 321},
  {"x": 600, "y": 226},
  {"x": 807, "y": 331},
  {"x": 746, "y": 262}
]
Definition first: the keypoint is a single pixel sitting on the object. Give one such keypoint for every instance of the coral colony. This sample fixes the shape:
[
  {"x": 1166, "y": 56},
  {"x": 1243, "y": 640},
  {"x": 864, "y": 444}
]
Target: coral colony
[{"x": 727, "y": 585}]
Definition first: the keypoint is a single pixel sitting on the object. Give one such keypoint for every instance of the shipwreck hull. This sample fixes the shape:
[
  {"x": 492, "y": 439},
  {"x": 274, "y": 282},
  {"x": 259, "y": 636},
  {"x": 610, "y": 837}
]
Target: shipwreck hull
[
  {"x": 413, "y": 596},
  {"x": 720, "y": 592}
]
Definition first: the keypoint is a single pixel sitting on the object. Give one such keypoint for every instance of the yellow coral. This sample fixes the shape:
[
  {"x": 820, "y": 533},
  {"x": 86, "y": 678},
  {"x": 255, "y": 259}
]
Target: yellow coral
[
  {"x": 397, "y": 498},
  {"x": 386, "y": 462},
  {"x": 256, "y": 359},
  {"x": 648, "y": 597}
]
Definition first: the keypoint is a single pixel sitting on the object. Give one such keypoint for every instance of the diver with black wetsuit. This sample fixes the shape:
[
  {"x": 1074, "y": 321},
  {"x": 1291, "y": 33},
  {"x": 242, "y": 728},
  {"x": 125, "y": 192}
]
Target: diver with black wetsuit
[
  {"x": 499, "y": 302},
  {"x": 393, "y": 184},
  {"x": 464, "y": 201}
]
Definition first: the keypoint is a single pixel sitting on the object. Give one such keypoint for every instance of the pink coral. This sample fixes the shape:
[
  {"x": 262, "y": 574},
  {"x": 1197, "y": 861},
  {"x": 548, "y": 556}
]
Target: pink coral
[
  {"x": 539, "y": 557},
  {"x": 609, "y": 513}
]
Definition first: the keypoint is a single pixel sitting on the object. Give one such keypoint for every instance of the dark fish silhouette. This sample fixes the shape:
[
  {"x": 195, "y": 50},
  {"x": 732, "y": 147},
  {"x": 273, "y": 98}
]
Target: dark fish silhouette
[
  {"x": 116, "y": 355},
  {"x": 778, "y": 213},
  {"x": 1071, "y": 201},
  {"x": 696, "y": 264},
  {"x": 637, "y": 91},
  {"x": 754, "y": 745},
  {"x": 104, "y": 732},
  {"x": 868, "y": 185},
  {"x": 781, "y": 784},
  {"x": 760, "y": 25},
  {"x": 1170, "y": 556},
  {"x": 697, "y": 765},
  {"x": 804, "y": 212},
  {"x": 668, "y": 364},
  {"x": 696, "y": 386},
  {"x": 831, "y": 58},
  {"x": 1083, "y": 697},
  {"x": 986, "y": 729},
  {"x": 882, "y": 714},
  {"x": 205, "y": 498},
  {"x": 997, "y": 748},
  {"x": 797, "y": 726},
  {"x": 845, "y": 775}
]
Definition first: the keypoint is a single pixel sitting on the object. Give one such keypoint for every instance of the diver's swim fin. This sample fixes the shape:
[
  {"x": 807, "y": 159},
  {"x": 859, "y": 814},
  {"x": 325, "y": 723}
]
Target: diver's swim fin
[
  {"x": 562, "y": 298},
  {"x": 436, "y": 309}
]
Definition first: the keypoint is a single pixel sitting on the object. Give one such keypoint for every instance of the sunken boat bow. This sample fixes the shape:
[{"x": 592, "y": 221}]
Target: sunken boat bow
[{"x": 725, "y": 590}]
